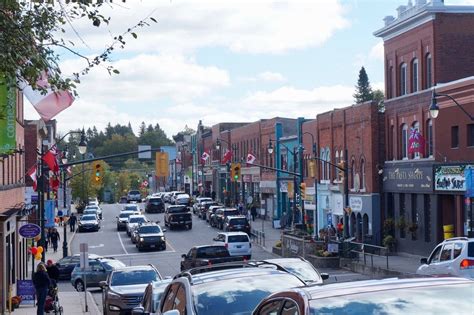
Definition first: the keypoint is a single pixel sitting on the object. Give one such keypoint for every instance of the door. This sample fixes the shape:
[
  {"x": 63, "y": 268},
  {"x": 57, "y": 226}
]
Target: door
[
  {"x": 96, "y": 273},
  {"x": 433, "y": 261},
  {"x": 445, "y": 259}
]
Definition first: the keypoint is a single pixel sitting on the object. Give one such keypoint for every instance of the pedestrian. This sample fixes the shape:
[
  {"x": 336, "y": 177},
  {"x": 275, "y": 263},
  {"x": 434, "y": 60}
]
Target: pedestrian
[
  {"x": 213, "y": 195},
  {"x": 54, "y": 239},
  {"x": 253, "y": 212},
  {"x": 72, "y": 222},
  {"x": 340, "y": 228},
  {"x": 47, "y": 241},
  {"x": 283, "y": 220},
  {"x": 41, "y": 282},
  {"x": 53, "y": 272}
]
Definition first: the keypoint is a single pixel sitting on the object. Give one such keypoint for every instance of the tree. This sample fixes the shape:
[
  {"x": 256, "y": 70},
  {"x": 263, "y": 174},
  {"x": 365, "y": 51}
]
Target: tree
[
  {"x": 179, "y": 137},
  {"x": 34, "y": 35},
  {"x": 363, "y": 90}
]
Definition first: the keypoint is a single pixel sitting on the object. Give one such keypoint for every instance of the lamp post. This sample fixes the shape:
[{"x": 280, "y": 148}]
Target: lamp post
[
  {"x": 315, "y": 214},
  {"x": 434, "y": 112}
]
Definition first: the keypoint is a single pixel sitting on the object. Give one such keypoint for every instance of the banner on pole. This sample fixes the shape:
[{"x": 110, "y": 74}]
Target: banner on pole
[
  {"x": 49, "y": 213},
  {"x": 469, "y": 176},
  {"x": 7, "y": 116}
]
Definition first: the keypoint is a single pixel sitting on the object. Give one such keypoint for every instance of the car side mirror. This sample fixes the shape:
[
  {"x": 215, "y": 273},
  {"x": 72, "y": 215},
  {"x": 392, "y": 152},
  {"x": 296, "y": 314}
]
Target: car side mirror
[
  {"x": 103, "y": 285},
  {"x": 183, "y": 256},
  {"x": 164, "y": 230},
  {"x": 138, "y": 310},
  {"x": 324, "y": 276},
  {"x": 424, "y": 261}
]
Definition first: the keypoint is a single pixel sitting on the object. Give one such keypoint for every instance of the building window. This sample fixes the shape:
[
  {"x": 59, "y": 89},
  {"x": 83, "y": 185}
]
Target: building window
[
  {"x": 403, "y": 79},
  {"x": 428, "y": 71},
  {"x": 455, "y": 137},
  {"x": 429, "y": 134},
  {"x": 336, "y": 161},
  {"x": 390, "y": 83},
  {"x": 390, "y": 143},
  {"x": 323, "y": 165},
  {"x": 402, "y": 220},
  {"x": 353, "y": 172},
  {"x": 328, "y": 166},
  {"x": 416, "y": 126},
  {"x": 414, "y": 75},
  {"x": 414, "y": 217},
  {"x": 470, "y": 135},
  {"x": 404, "y": 142},
  {"x": 362, "y": 174}
]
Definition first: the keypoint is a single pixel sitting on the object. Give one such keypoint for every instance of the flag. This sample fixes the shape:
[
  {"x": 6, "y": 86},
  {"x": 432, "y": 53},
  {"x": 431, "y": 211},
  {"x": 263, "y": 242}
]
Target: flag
[
  {"x": 49, "y": 104},
  {"x": 227, "y": 156},
  {"x": 50, "y": 159},
  {"x": 178, "y": 161},
  {"x": 251, "y": 158},
  {"x": 416, "y": 142},
  {"x": 205, "y": 156},
  {"x": 32, "y": 173},
  {"x": 54, "y": 183}
]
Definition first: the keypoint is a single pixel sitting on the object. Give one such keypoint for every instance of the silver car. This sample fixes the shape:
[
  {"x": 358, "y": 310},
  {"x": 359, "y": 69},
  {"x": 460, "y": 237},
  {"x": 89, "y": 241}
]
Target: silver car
[{"x": 99, "y": 269}]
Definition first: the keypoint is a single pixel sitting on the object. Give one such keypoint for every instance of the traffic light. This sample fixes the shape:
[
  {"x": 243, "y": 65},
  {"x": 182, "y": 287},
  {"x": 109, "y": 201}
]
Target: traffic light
[
  {"x": 236, "y": 172},
  {"x": 303, "y": 191},
  {"x": 341, "y": 170},
  {"x": 98, "y": 173}
]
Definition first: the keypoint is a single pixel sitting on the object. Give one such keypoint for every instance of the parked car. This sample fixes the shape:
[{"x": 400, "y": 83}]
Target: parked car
[
  {"x": 182, "y": 199},
  {"x": 133, "y": 222},
  {"x": 88, "y": 222},
  {"x": 199, "y": 202},
  {"x": 237, "y": 243},
  {"x": 387, "y": 296},
  {"x": 223, "y": 213},
  {"x": 300, "y": 267},
  {"x": 204, "y": 207},
  {"x": 219, "y": 290},
  {"x": 123, "y": 290},
  {"x": 150, "y": 235},
  {"x": 236, "y": 223},
  {"x": 173, "y": 196},
  {"x": 207, "y": 255},
  {"x": 99, "y": 269},
  {"x": 67, "y": 264},
  {"x": 167, "y": 197},
  {"x": 122, "y": 219},
  {"x": 178, "y": 216},
  {"x": 454, "y": 256},
  {"x": 154, "y": 204},
  {"x": 211, "y": 211},
  {"x": 131, "y": 207},
  {"x": 93, "y": 201},
  {"x": 93, "y": 211},
  {"x": 150, "y": 303},
  {"x": 123, "y": 199},
  {"x": 134, "y": 195}
]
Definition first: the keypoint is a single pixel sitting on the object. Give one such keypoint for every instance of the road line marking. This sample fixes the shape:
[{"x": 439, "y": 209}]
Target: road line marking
[
  {"x": 169, "y": 244},
  {"x": 121, "y": 243}
]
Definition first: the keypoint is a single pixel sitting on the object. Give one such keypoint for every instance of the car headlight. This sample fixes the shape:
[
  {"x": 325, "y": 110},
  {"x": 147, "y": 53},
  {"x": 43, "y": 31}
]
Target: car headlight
[
  {"x": 162, "y": 238},
  {"x": 114, "y": 308},
  {"x": 141, "y": 239}
]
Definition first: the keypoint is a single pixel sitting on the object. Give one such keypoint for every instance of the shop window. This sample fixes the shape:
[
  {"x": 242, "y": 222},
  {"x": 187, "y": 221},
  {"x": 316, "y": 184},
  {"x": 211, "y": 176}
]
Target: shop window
[
  {"x": 414, "y": 218},
  {"x": 429, "y": 137},
  {"x": 416, "y": 126},
  {"x": 365, "y": 225},
  {"x": 403, "y": 79},
  {"x": 455, "y": 137},
  {"x": 362, "y": 174},
  {"x": 470, "y": 135},
  {"x": 427, "y": 218},
  {"x": 429, "y": 79},
  {"x": 414, "y": 75},
  {"x": 402, "y": 220},
  {"x": 404, "y": 142}
]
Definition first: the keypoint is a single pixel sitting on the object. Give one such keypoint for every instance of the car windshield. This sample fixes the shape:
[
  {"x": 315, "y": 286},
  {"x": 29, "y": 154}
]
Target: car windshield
[
  {"x": 230, "y": 212},
  {"x": 150, "y": 229},
  {"x": 88, "y": 217},
  {"x": 92, "y": 207},
  {"x": 113, "y": 264},
  {"x": 130, "y": 277},
  {"x": 155, "y": 200},
  {"x": 444, "y": 299},
  {"x": 134, "y": 192},
  {"x": 133, "y": 208},
  {"x": 125, "y": 214},
  {"x": 239, "y": 221},
  {"x": 176, "y": 209},
  {"x": 137, "y": 220},
  {"x": 239, "y": 295},
  {"x": 238, "y": 238},
  {"x": 302, "y": 270}
]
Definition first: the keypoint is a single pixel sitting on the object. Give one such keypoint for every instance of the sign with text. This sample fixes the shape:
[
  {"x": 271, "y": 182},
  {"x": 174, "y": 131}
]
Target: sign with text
[
  {"x": 7, "y": 116},
  {"x": 411, "y": 178},
  {"x": 29, "y": 230},
  {"x": 355, "y": 203},
  {"x": 450, "y": 178},
  {"x": 26, "y": 290}
]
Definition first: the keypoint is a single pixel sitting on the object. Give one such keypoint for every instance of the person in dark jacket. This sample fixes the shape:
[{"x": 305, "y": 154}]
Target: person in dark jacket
[
  {"x": 53, "y": 271},
  {"x": 253, "y": 212},
  {"x": 54, "y": 239},
  {"x": 41, "y": 282},
  {"x": 72, "y": 222}
]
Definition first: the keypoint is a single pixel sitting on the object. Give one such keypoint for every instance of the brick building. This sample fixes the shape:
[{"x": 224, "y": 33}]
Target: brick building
[{"x": 426, "y": 50}]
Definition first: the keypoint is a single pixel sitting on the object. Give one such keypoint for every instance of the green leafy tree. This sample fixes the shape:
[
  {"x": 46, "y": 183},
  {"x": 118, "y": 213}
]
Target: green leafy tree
[{"x": 363, "y": 90}]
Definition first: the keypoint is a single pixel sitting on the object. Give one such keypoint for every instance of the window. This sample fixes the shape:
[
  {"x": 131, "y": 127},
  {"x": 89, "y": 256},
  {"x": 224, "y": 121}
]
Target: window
[
  {"x": 429, "y": 134},
  {"x": 323, "y": 166},
  {"x": 328, "y": 166},
  {"x": 470, "y": 135},
  {"x": 434, "y": 258},
  {"x": 362, "y": 174},
  {"x": 446, "y": 252},
  {"x": 403, "y": 79},
  {"x": 455, "y": 137},
  {"x": 428, "y": 71},
  {"x": 427, "y": 217},
  {"x": 414, "y": 75},
  {"x": 390, "y": 142},
  {"x": 404, "y": 141},
  {"x": 336, "y": 161},
  {"x": 416, "y": 126},
  {"x": 457, "y": 250},
  {"x": 414, "y": 216},
  {"x": 353, "y": 174},
  {"x": 390, "y": 83},
  {"x": 402, "y": 222}
]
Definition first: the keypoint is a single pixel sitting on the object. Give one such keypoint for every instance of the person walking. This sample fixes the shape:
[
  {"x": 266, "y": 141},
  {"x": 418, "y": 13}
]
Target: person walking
[
  {"x": 253, "y": 212},
  {"x": 54, "y": 239},
  {"x": 41, "y": 282},
  {"x": 53, "y": 271},
  {"x": 72, "y": 222}
]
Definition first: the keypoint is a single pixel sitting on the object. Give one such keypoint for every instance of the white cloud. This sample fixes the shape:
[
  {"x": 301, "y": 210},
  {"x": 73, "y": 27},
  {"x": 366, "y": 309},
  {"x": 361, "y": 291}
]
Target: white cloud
[
  {"x": 377, "y": 51},
  {"x": 266, "y": 76}
]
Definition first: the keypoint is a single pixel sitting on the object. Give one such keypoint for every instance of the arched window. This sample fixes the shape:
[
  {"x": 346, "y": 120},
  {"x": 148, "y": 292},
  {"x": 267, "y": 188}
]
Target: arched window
[
  {"x": 414, "y": 75},
  {"x": 390, "y": 82},
  {"x": 353, "y": 172},
  {"x": 323, "y": 165},
  {"x": 404, "y": 141},
  {"x": 336, "y": 161},
  {"x": 403, "y": 79},
  {"x": 328, "y": 166},
  {"x": 416, "y": 126},
  {"x": 362, "y": 174},
  {"x": 429, "y": 138},
  {"x": 428, "y": 73}
]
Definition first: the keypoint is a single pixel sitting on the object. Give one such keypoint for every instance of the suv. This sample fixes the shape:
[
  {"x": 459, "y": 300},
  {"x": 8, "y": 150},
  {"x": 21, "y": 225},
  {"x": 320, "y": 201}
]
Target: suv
[
  {"x": 204, "y": 207},
  {"x": 182, "y": 199},
  {"x": 454, "y": 256},
  {"x": 150, "y": 235},
  {"x": 236, "y": 223},
  {"x": 237, "y": 243},
  {"x": 154, "y": 204},
  {"x": 123, "y": 289},
  {"x": 134, "y": 221},
  {"x": 221, "y": 214},
  {"x": 152, "y": 297},
  {"x": 99, "y": 269},
  {"x": 134, "y": 195},
  {"x": 211, "y": 211},
  {"x": 178, "y": 216},
  {"x": 224, "y": 289},
  {"x": 198, "y": 203},
  {"x": 122, "y": 219}
]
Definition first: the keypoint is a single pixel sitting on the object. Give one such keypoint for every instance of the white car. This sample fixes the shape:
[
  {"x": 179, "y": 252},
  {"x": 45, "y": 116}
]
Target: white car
[
  {"x": 134, "y": 221},
  {"x": 95, "y": 207},
  {"x": 237, "y": 243},
  {"x": 182, "y": 199},
  {"x": 198, "y": 203},
  {"x": 454, "y": 256}
]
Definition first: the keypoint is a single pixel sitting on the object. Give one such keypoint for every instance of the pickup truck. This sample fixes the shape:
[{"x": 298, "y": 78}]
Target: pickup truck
[
  {"x": 178, "y": 215},
  {"x": 205, "y": 255}
]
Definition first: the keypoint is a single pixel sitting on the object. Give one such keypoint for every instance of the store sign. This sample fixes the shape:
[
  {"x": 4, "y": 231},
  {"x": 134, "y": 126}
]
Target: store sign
[
  {"x": 450, "y": 178},
  {"x": 409, "y": 178},
  {"x": 7, "y": 116},
  {"x": 26, "y": 290},
  {"x": 355, "y": 203},
  {"x": 29, "y": 230}
]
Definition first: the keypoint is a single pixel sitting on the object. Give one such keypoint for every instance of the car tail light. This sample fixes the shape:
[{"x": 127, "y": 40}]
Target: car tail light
[
  {"x": 226, "y": 245},
  {"x": 466, "y": 263}
]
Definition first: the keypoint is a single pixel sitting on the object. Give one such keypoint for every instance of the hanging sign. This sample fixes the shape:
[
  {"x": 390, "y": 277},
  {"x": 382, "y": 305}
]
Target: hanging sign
[
  {"x": 7, "y": 116},
  {"x": 29, "y": 230}
]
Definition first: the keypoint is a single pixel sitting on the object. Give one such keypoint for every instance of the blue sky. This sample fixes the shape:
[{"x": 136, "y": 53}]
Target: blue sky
[{"x": 228, "y": 61}]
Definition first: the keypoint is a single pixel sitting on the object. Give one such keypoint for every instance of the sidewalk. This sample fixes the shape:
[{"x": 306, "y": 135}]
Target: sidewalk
[
  {"x": 55, "y": 256},
  {"x": 72, "y": 303}
]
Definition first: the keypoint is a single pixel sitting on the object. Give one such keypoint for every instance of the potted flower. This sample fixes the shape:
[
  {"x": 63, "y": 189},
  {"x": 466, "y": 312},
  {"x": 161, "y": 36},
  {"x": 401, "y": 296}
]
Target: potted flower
[
  {"x": 15, "y": 300},
  {"x": 389, "y": 241}
]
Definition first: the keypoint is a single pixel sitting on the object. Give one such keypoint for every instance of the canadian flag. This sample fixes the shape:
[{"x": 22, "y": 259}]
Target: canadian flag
[
  {"x": 32, "y": 173},
  {"x": 205, "y": 156},
  {"x": 251, "y": 158},
  {"x": 227, "y": 156},
  {"x": 50, "y": 159}
]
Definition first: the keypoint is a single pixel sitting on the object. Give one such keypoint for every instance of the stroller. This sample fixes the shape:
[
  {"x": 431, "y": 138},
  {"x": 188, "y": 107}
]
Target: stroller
[{"x": 52, "y": 301}]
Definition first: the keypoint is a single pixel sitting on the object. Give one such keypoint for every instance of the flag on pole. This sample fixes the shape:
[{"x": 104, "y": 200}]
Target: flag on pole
[
  {"x": 227, "y": 156},
  {"x": 205, "y": 156},
  {"x": 54, "y": 183},
  {"x": 47, "y": 105},
  {"x": 416, "y": 142},
  {"x": 251, "y": 158},
  {"x": 32, "y": 173},
  {"x": 50, "y": 159}
]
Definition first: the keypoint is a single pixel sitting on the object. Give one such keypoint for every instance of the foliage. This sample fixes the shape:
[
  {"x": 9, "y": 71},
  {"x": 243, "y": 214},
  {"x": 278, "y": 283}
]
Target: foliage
[
  {"x": 363, "y": 91},
  {"x": 389, "y": 241},
  {"x": 402, "y": 223},
  {"x": 325, "y": 253},
  {"x": 278, "y": 244},
  {"x": 180, "y": 136},
  {"x": 34, "y": 35},
  {"x": 388, "y": 226}
]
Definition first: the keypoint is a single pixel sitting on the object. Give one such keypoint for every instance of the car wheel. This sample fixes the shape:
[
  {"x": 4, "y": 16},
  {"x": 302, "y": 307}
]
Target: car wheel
[
  {"x": 163, "y": 247},
  {"x": 79, "y": 285}
]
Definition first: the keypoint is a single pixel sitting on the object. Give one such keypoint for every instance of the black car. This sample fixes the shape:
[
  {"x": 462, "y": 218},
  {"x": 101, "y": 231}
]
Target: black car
[
  {"x": 67, "y": 264},
  {"x": 155, "y": 204},
  {"x": 178, "y": 216},
  {"x": 88, "y": 222},
  {"x": 237, "y": 224},
  {"x": 221, "y": 214},
  {"x": 150, "y": 235}
]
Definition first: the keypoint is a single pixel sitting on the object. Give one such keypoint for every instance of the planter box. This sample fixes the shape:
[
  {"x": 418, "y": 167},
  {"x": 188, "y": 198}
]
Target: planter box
[
  {"x": 323, "y": 262},
  {"x": 276, "y": 250}
]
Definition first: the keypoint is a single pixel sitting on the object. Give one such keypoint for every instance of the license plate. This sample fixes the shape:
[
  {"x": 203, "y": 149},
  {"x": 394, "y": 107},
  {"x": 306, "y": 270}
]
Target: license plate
[
  {"x": 181, "y": 222},
  {"x": 152, "y": 246},
  {"x": 239, "y": 246}
]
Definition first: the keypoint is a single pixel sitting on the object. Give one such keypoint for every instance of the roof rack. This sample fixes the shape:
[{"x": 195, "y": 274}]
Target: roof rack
[{"x": 460, "y": 238}]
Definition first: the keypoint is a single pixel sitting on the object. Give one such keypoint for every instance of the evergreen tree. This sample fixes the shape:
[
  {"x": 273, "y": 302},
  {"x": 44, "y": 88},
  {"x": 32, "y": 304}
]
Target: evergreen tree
[
  {"x": 141, "y": 131},
  {"x": 363, "y": 90}
]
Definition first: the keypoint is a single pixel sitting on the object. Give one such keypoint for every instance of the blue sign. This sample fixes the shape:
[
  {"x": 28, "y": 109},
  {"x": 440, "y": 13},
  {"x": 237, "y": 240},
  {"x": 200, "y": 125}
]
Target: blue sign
[
  {"x": 469, "y": 176},
  {"x": 329, "y": 218},
  {"x": 26, "y": 290},
  {"x": 49, "y": 213},
  {"x": 30, "y": 230}
]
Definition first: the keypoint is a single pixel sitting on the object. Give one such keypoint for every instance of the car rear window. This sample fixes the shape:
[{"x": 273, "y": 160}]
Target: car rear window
[
  {"x": 88, "y": 217},
  {"x": 137, "y": 220},
  {"x": 125, "y": 215},
  {"x": 230, "y": 212},
  {"x": 176, "y": 209},
  {"x": 470, "y": 249},
  {"x": 134, "y": 192},
  {"x": 238, "y": 238},
  {"x": 131, "y": 208},
  {"x": 155, "y": 200},
  {"x": 210, "y": 252},
  {"x": 239, "y": 221},
  {"x": 134, "y": 277}
]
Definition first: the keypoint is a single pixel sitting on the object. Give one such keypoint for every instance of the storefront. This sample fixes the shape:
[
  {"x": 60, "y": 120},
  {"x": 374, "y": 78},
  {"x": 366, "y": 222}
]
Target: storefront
[
  {"x": 330, "y": 206},
  {"x": 268, "y": 200},
  {"x": 364, "y": 218}
]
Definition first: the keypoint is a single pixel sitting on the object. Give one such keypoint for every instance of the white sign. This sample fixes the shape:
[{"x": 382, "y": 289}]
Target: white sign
[
  {"x": 144, "y": 155},
  {"x": 84, "y": 256},
  {"x": 284, "y": 187},
  {"x": 337, "y": 205},
  {"x": 450, "y": 178},
  {"x": 355, "y": 203},
  {"x": 333, "y": 248}
]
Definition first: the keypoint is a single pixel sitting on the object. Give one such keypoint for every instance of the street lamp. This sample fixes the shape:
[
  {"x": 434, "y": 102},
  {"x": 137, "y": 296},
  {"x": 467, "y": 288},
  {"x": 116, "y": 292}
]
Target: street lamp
[
  {"x": 82, "y": 144},
  {"x": 315, "y": 154}
]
